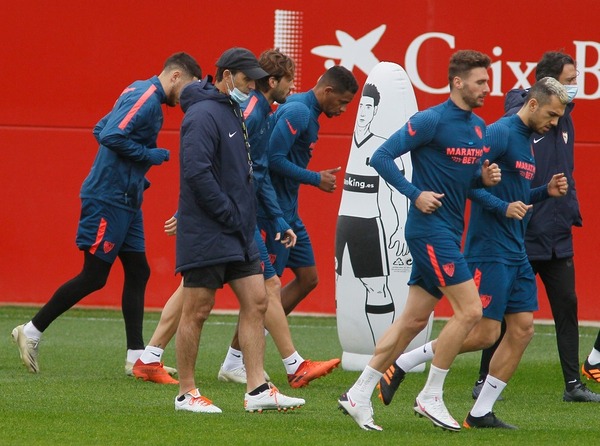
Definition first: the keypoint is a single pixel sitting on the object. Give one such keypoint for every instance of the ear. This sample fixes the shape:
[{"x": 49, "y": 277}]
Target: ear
[
  {"x": 457, "y": 82},
  {"x": 533, "y": 104},
  {"x": 175, "y": 75},
  {"x": 272, "y": 82},
  {"x": 375, "y": 110}
]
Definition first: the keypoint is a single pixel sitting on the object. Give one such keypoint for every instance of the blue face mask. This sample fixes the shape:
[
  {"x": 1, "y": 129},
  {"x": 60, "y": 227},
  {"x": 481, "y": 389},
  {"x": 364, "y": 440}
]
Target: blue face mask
[
  {"x": 237, "y": 95},
  {"x": 571, "y": 91}
]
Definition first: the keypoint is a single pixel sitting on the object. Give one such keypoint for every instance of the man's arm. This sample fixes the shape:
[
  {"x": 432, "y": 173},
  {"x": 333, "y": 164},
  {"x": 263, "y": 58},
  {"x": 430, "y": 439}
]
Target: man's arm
[
  {"x": 130, "y": 114},
  {"x": 289, "y": 125},
  {"x": 417, "y": 131}
]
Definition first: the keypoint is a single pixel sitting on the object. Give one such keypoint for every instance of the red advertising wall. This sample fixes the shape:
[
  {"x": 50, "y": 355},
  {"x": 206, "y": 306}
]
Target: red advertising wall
[{"x": 65, "y": 63}]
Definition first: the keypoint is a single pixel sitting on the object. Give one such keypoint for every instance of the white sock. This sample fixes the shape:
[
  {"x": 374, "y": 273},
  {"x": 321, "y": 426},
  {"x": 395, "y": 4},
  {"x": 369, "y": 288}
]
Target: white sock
[
  {"x": 233, "y": 360},
  {"x": 151, "y": 354},
  {"x": 491, "y": 390},
  {"x": 594, "y": 357},
  {"x": 32, "y": 332},
  {"x": 292, "y": 363},
  {"x": 435, "y": 381},
  {"x": 363, "y": 388},
  {"x": 413, "y": 358},
  {"x": 133, "y": 355}
]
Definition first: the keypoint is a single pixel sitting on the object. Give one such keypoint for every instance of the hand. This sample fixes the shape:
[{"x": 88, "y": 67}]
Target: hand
[
  {"x": 171, "y": 226},
  {"x": 428, "y": 202},
  {"x": 289, "y": 238},
  {"x": 158, "y": 156},
  {"x": 328, "y": 179},
  {"x": 558, "y": 185},
  {"x": 517, "y": 210},
  {"x": 490, "y": 173}
]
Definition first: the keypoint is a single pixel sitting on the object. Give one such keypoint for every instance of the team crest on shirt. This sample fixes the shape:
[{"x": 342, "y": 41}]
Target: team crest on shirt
[
  {"x": 449, "y": 269},
  {"x": 565, "y": 137},
  {"x": 478, "y": 131},
  {"x": 107, "y": 247},
  {"x": 272, "y": 258},
  {"x": 485, "y": 300}
]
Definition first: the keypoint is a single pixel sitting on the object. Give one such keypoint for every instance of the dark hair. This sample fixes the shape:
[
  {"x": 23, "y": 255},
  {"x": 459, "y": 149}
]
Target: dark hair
[
  {"x": 464, "y": 61},
  {"x": 277, "y": 64},
  {"x": 185, "y": 63},
  {"x": 340, "y": 79},
  {"x": 221, "y": 70},
  {"x": 551, "y": 64},
  {"x": 371, "y": 91}
]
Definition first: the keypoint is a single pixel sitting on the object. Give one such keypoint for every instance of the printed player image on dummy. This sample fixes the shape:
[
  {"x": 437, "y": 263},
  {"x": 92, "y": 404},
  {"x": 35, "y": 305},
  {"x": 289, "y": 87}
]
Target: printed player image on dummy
[{"x": 372, "y": 259}]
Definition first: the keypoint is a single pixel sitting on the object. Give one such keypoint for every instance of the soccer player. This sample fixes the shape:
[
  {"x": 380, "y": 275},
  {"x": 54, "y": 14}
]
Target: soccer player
[
  {"x": 111, "y": 223},
  {"x": 447, "y": 145},
  {"x": 495, "y": 250},
  {"x": 295, "y": 132},
  {"x": 549, "y": 236},
  {"x": 216, "y": 225}
]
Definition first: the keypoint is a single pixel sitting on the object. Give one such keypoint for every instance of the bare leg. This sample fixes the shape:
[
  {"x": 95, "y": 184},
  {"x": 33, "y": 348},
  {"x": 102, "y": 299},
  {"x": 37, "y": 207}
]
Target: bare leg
[
  {"x": 295, "y": 291},
  {"x": 275, "y": 320},
  {"x": 519, "y": 332},
  {"x": 396, "y": 338},
  {"x": 197, "y": 304},
  {"x": 169, "y": 320},
  {"x": 251, "y": 294},
  {"x": 466, "y": 304}
]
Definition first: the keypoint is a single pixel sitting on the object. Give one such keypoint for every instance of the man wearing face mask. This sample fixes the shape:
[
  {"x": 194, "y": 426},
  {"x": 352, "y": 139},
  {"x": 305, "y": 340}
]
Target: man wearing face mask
[
  {"x": 215, "y": 229},
  {"x": 549, "y": 238}
]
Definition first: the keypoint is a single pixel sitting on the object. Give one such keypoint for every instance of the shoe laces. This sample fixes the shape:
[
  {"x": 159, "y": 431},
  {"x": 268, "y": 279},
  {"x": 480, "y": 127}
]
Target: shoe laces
[
  {"x": 435, "y": 401},
  {"x": 201, "y": 400},
  {"x": 273, "y": 391}
]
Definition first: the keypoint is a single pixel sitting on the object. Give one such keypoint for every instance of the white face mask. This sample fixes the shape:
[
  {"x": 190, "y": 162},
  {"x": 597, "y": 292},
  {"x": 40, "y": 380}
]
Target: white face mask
[
  {"x": 236, "y": 94},
  {"x": 571, "y": 91}
]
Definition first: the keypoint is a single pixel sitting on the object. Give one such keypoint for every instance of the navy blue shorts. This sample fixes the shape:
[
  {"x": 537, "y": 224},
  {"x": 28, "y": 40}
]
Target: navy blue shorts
[
  {"x": 215, "y": 276},
  {"x": 265, "y": 259},
  {"x": 505, "y": 289},
  {"x": 301, "y": 255},
  {"x": 106, "y": 230},
  {"x": 437, "y": 262}
]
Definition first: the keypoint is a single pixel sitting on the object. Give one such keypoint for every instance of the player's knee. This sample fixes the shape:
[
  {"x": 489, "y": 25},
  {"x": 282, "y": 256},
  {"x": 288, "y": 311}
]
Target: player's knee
[
  {"x": 140, "y": 272},
  {"x": 470, "y": 315},
  {"x": 92, "y": 280},
  {"x": 273, "y": 286},
  {"x": 200, "y": 313},
  {"x": 526, "y": 332},
  {"x": 487, "y": 339},
  {"x": 415, "y": 324},
  {"x": 310, "y": 282},
  {"x": 260, "y": 304}
]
